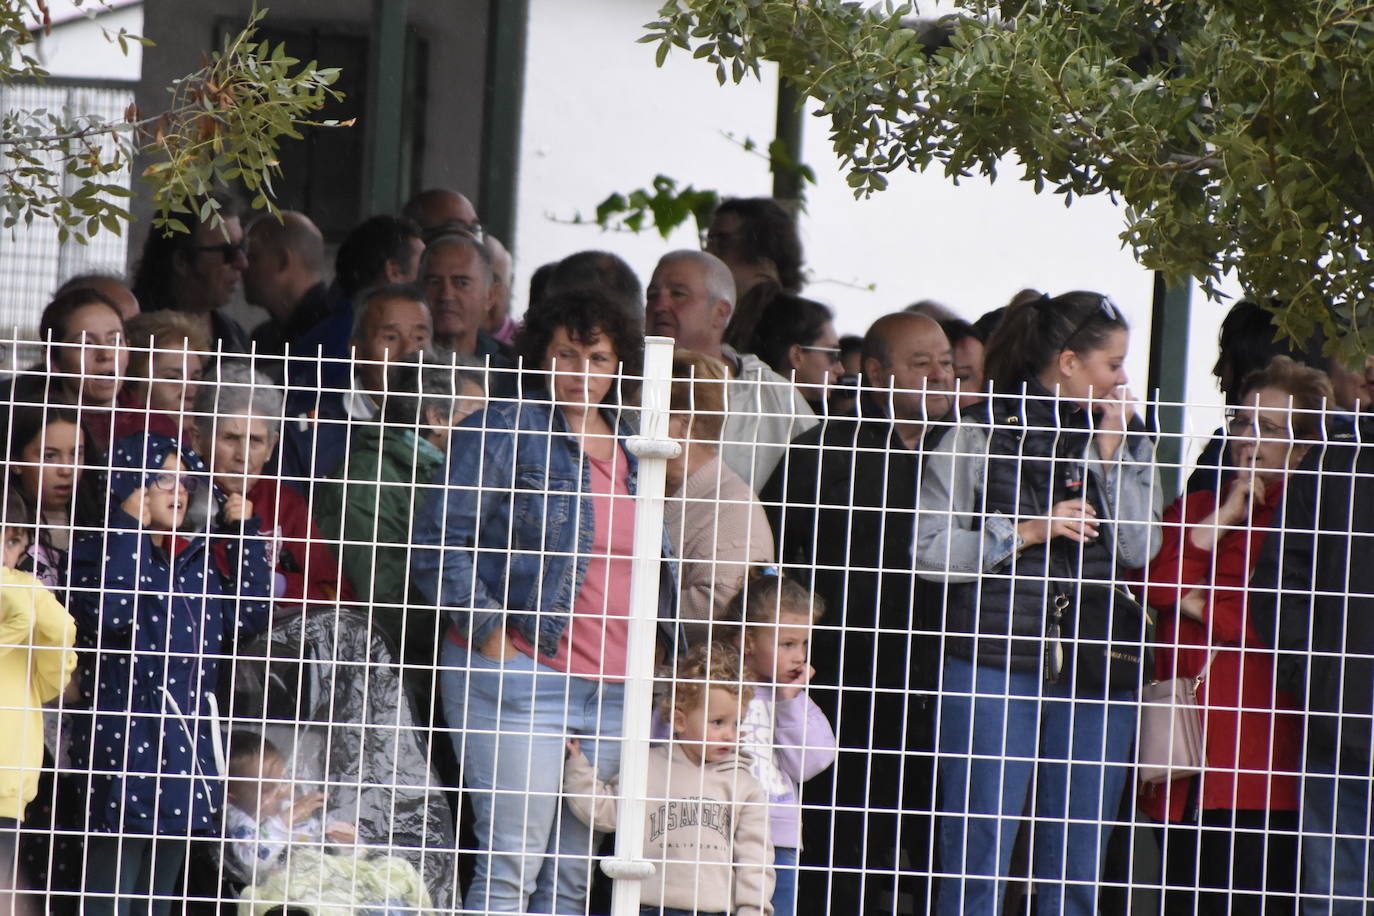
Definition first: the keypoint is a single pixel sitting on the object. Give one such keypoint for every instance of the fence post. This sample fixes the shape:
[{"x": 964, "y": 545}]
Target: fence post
[{"x": 653, "y": 448}]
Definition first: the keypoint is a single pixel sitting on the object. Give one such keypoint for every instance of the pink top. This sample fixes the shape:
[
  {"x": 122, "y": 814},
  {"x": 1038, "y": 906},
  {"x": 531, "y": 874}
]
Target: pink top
[{"x": 593, "y": 645}]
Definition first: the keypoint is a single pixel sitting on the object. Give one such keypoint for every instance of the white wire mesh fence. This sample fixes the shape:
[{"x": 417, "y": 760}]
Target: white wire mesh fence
[{"x": 465, "y": 638}]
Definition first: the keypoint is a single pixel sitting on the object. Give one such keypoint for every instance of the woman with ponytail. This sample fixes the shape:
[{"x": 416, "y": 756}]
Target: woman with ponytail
[{"x": 1032, "y": 507}]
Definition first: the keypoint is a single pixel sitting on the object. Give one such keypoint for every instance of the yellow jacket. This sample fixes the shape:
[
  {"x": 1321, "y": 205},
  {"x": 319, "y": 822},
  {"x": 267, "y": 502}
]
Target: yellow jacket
[{"x": 36, "y": 659}]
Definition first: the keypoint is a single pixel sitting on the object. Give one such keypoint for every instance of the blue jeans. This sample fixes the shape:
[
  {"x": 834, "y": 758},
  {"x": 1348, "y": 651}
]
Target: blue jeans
[
  {"x": 123, "y": 872},
  {"x": 511, "y": 723},
  {"x": 1001, "y": 734},
  {"x": 1335, "y": 832},
  {"x": 785, "y": 885}
]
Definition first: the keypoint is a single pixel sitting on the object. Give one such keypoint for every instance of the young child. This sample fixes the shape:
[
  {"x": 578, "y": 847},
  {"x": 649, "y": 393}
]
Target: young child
[
  {"x": 276, "y": 840},
  {"x": 706, "y": 823},
  {"x": 786, "y": 734},
  {"x": 46, "y": 449},
  {"x": 263, "y": 816},
  {"x": 36, "y": 659},
  {"x": 156, "y": 612}
]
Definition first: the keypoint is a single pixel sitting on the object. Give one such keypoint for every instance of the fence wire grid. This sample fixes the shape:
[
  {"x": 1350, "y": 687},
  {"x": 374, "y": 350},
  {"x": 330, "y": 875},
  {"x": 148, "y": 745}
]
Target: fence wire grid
[{"x": 462, "y": 638}]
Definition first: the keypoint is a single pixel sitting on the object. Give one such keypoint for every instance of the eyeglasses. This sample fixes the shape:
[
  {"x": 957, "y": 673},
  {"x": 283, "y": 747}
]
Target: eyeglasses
[
  {"x": 1244, "y": 425},
  {"x": 230, "y": 251},
  {"x": 831, "y": 353},
  {"x": 170, "y": 482},
  {"x": 1105, "y": 309}
]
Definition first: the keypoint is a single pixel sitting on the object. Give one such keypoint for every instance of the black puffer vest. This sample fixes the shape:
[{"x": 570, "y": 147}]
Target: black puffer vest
[{"x": 1037, "y": 456}]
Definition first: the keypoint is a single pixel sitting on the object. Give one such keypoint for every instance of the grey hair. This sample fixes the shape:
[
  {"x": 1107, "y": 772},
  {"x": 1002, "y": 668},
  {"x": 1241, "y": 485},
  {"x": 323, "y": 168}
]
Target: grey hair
[
  {"x": 234, "y": 388},
  {"x": 432, "y": 379},
  {"x": 720, "y": 283},
  {"x": 362, "y": 308},
  {"x": 460, "y": 239}
]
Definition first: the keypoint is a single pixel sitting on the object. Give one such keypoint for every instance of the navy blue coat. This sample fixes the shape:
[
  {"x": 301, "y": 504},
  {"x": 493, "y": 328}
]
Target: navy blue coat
[{"x": 153, "y": 627}]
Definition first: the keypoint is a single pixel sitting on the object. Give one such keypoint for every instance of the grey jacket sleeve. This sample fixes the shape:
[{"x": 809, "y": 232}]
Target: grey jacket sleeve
[
  {"x": 950, "y": 544},
  {"x": 1130, "y": 486}
]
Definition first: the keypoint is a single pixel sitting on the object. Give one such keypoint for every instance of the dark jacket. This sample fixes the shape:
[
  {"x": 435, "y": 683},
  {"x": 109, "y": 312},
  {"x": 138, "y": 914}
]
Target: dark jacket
[
  {"x": 273, "y": 337},
  {"x": 153, "y": 623},
  {"x": 843, "y": 503},
  {"x": 1313, "y": 595},
  {"x": 1008, "y": 459}
]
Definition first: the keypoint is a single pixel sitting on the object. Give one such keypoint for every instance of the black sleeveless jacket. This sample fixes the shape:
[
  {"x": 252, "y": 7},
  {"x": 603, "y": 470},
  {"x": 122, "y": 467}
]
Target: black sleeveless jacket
[{"x": 1038, "y": 455}]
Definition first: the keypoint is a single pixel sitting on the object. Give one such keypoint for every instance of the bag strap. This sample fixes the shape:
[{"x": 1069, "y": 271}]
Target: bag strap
[{"x": 1202, "y": 675}]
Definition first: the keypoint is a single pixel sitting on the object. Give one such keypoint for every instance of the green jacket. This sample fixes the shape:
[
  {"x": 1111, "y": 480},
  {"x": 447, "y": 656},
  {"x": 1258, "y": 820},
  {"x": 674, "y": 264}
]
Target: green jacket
[{"x": 365, "y": 510}]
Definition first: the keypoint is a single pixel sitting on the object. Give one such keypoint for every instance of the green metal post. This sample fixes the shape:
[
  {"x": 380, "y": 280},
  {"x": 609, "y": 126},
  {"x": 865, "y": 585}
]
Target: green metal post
[
  {"x": 387, "y": 100},
  {"x": 503, "y": 106},
  {"x": 787, "y": 183},
  {"x": 1169, "y": 377}
]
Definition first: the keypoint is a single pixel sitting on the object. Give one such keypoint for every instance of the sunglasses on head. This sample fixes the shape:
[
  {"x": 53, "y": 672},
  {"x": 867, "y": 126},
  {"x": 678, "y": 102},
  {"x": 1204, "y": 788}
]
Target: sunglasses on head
[{"x": 1105, "y": 309}]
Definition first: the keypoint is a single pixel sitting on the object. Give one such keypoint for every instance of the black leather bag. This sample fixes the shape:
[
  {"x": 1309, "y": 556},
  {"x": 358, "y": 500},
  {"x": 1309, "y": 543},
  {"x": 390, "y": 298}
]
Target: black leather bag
[{"x": 1101, "y": 634}]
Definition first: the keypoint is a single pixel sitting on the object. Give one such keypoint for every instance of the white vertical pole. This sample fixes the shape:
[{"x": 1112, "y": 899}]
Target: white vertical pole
[{"x": 653, "y": 448}]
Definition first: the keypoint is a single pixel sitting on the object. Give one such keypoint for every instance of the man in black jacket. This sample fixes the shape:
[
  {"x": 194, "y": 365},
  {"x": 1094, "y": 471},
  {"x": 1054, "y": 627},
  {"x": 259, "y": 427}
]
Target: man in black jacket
[
  {"x": 842, "y": 505},
  {"x": 1314, "y": 592}
]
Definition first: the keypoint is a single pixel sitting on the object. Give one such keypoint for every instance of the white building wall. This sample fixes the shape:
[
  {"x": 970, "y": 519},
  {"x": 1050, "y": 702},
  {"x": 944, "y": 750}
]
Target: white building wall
[{"x": 599, "y": 117}]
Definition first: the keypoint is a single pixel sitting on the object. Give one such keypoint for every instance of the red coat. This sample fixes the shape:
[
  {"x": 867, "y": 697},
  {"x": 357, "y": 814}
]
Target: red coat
[
  {"x": 296, "y": 549},
  {"x": 1252, "y": 752}
]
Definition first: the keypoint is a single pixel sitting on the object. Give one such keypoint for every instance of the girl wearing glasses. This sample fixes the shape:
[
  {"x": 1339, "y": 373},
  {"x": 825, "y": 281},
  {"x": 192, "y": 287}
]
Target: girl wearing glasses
[
  {"x": 1031, "y": 508},
  {"x": 154, "y": 613},
  {"x": 1241, "y": 811}
]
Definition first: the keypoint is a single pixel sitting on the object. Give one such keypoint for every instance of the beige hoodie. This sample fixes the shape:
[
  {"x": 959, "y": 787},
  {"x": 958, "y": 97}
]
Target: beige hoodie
[{"x": 705, "y": 830}]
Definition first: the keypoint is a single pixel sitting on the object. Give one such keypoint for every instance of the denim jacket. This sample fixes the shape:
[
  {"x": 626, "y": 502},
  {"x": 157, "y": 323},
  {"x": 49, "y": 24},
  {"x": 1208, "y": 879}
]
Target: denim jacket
[{"x": 507, "y": 539}]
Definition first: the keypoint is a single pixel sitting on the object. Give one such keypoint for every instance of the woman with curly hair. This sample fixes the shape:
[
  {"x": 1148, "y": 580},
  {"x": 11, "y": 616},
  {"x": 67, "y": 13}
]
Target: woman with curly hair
[{"x": 527, "y": 546}]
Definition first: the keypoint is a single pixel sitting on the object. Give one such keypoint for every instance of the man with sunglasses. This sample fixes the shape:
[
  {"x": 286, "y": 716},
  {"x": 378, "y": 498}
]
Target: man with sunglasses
[{"x": 197, "y": 273}]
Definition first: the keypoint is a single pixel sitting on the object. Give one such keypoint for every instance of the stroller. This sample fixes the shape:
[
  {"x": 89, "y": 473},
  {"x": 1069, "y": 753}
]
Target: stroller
[{"x": 327, "y": 690}]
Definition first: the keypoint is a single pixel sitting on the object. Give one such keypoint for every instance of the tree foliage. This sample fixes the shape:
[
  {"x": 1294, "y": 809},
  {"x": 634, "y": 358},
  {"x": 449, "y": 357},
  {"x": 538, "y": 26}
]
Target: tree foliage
[
  {"x": 1237, "y": 133},
  {"x": 223, "y": 123},
  {"x": 665, "y": 204}
]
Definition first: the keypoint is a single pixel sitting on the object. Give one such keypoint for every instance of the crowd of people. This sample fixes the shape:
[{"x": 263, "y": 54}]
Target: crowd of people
[{"x": 911, "y": 586}]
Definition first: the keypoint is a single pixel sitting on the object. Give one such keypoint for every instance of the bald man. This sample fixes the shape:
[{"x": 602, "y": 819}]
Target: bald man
[
  {"x": 843, "y": 504},
  {"x": 285, "y": 275},
  {"x": 440, "y": 211}
]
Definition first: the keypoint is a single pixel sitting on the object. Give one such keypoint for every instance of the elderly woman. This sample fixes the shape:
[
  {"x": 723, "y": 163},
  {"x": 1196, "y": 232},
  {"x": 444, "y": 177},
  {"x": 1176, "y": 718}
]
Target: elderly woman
[
  {"x": 528, "y": 549},
  {"x": 368, "y": 505},
  {"x": 1241, "y": 812},
  {"x": 717, "y": 525},
  {"x": 238, "y": 422}
]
